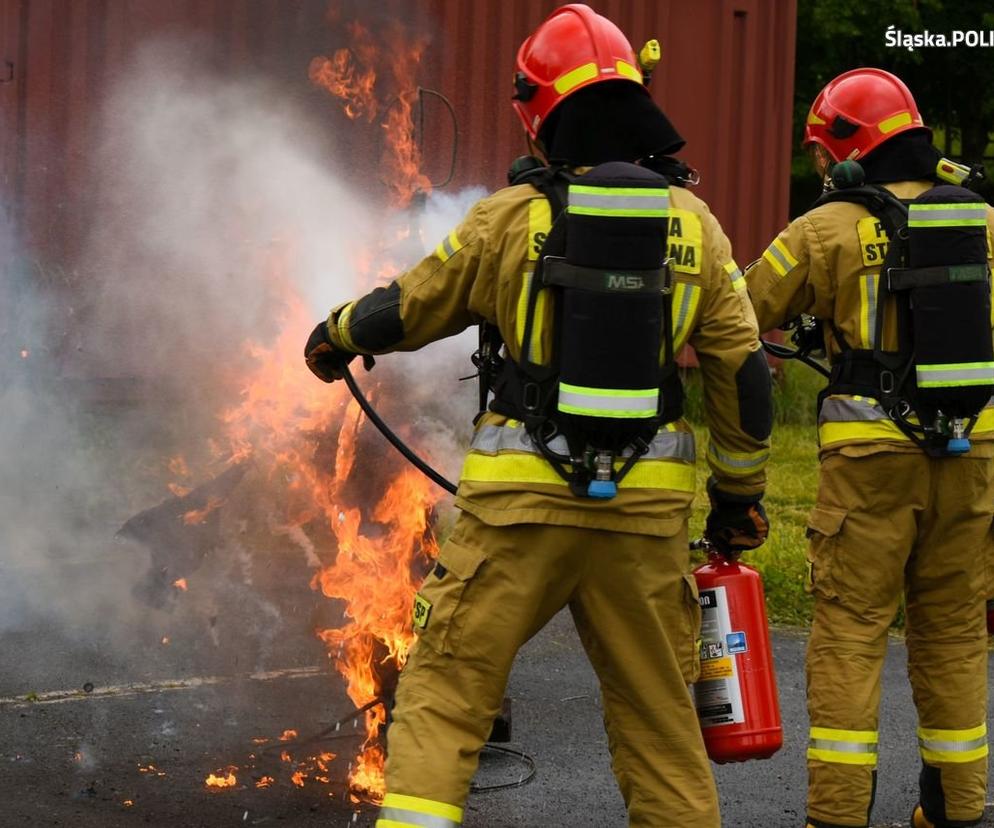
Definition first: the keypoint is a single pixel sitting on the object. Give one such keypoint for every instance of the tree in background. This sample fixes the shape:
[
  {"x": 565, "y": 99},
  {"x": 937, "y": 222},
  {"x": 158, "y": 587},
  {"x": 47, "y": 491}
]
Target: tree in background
[{"x": 951, "y": 85}]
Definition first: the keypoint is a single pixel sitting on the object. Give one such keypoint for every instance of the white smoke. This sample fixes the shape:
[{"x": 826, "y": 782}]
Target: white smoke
[{"x": 207, "y": 186}]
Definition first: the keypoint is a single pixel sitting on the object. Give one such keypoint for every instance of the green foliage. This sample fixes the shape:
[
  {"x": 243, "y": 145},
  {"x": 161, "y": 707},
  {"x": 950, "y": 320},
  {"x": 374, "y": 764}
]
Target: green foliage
[{"x": 950, "y": 85}]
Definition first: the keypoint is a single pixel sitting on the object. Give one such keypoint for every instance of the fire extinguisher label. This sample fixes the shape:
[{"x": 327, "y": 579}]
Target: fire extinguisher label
[{"x": 717, "y": 692}]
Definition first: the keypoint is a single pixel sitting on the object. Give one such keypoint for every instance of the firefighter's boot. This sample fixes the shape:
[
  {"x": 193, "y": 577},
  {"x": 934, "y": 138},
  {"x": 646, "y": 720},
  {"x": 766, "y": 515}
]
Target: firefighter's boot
[{"x": 918, "y": 819}]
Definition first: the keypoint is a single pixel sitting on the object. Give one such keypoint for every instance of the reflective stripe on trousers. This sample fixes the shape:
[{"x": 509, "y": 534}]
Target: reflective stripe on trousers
[
  {"x": 399, "y": 810},
  {"x": 953, "y": 745},
  {"x": 846, "y": 747}
]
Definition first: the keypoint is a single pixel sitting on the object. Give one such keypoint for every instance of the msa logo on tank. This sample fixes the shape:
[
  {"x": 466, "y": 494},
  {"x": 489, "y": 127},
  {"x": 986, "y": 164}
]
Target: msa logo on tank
[
  {"x": 623, "y": 281},
  {"x": 685, "y": 241},
  {"x": 873, "y": 241},
  {"x": 717, "y": 694}
]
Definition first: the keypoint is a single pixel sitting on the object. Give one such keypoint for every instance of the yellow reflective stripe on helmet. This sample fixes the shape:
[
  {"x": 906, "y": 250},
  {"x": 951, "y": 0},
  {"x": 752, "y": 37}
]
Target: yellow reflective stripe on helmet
[
  {"x": 868, "y": 284},
  {"x": 814, "y": 120},
  {"x": 398, "y": 809},
  {"x": 780, "y": 258},
  {"x": 888, "y": 125},
  {"x": 686, "y": 297},
  {"x": 342, "y": 325},
  {"x": 973, "y": 214},
  {"x": 617, "y": 403},
  {"x": 448, "y": 247},
  {"x": 844, "y": 747},
  {"x": 573, "y": 78},
  {"x": 618, "y": 202},
  {"x": 735, "y": 275},
  {"x": 955, "y": 374},
  {"x": 624, "y": 68},
  {"x": 737, "y": 463},
  {"x": 531, "y": 468},
  {"x": 958, "y": 746}
]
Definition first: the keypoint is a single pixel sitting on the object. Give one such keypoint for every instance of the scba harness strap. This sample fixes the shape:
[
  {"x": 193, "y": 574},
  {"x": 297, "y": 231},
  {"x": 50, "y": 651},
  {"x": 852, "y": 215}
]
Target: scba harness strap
[
  {"x": 610, "y": 380},
  {"x": 935, "y": 275}
]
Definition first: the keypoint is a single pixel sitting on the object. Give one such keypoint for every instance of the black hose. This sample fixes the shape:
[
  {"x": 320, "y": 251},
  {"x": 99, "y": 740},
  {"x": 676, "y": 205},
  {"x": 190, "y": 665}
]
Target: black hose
[
  {"x": 783, "y": 352},
  {"x": 392, "y": 438}
]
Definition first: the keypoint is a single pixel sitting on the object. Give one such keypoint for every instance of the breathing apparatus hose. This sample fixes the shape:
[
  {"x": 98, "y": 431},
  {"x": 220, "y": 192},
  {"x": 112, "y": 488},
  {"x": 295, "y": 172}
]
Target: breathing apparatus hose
[
  {"x": 785, "y": 352},
  {"x": 392, "y": 438}
]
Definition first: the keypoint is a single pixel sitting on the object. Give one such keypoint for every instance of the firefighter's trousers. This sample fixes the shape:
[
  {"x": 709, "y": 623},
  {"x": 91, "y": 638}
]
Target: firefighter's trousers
[
  {"x": 634, "y": 603},
  {"x": 885, "y": 525}
]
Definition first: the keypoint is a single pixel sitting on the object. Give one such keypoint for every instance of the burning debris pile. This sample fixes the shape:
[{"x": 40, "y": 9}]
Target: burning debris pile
[{"x": 302, "y": 454}]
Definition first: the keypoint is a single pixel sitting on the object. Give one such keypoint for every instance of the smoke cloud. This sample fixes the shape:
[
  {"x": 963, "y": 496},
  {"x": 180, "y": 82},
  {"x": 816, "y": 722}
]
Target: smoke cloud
[{"x": 219, "y": 200}]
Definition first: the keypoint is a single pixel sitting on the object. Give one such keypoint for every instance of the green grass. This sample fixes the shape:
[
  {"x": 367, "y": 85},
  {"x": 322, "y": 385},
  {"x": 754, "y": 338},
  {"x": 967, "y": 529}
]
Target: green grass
[{"x": 791, "y": 489}]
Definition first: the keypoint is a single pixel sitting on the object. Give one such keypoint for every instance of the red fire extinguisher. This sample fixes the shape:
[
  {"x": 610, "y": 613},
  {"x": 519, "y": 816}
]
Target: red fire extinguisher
[{"x": 736, "y": 695}]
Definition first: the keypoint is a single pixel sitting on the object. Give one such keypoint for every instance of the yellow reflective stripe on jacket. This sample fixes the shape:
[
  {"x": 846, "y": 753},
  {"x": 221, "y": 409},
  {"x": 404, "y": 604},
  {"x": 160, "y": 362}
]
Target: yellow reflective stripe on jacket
[
  {"x": 953, "y": 745},
  {"x": 344, "y": 317},
  {"x": 737, "y": 463},
  {"x": 685, "y": 300},
  {"x": 618, "y": 403},
  {"x": 843, "y": 419},
  {"x": 539, "y": 224},
  {"x": 947, "y": 215},
  {"x": 735, "y": 275},
  {"x": 401, "y": 810},
  {"x": 618, "y": 202},
  {"x": 780, "y": 258},
  {"x": 843, "y": 747},
  {"x": 529, "y": 468},
  {"x": 668, "y": 444},
  {"x": 955, "y": 374},
  {"x": 868, "y": 284},
  {"x": 448, "y": 247}
]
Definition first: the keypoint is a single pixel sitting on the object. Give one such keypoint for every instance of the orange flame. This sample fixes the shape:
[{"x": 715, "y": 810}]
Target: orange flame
[
  {"x": 351, "y": 75},
  {"x": 265, "y": 782},
  {"x": 25, "y": 353},
  {"x": 197, "y": 516},
  {"x": 180, "y": 584},
  {"x": 288, "y": 735},
  {"x": 222, "y": 779}
]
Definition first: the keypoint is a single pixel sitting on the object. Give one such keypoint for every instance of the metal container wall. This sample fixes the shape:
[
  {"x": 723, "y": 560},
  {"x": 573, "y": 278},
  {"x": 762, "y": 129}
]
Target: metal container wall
[{"x": 726, "y": 80}]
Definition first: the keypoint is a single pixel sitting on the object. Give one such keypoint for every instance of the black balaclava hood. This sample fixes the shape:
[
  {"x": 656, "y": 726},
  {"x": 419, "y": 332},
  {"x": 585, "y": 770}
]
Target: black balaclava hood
[
  {"x": 909, "y": 156},
  {"x": 610, "y": 121}
]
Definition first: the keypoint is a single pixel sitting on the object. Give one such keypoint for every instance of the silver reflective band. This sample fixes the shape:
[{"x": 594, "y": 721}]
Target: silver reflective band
[
  {"x": 777, "y": 254},
  {"x": 641, "y": 403},
  {"x": 450, "y": 251},
  {"x": 405, "y": 817},
  {"x": 956, "y": 747},
  {"x": 850, "y": 411},
  {"x": 666, "y": 445},
  {"x": 654, "y": 201},
  {"x": 681, "y": 316},
  {"x": 755, "y": 461},
  {"x": 871, "y": 309},
  {"x": 935, "y": 213},
  {"x": 982, "y": 373},
  {"x": 843, "y": 747}
]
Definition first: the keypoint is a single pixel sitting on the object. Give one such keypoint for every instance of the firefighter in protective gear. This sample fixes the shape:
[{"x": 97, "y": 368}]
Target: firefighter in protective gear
[
  {"x": 525, "y": 546},
  {"x": 889, "y": 519}
]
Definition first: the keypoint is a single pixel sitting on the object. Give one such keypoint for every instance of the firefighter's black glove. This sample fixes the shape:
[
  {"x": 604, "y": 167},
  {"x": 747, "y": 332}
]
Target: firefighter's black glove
[
  {"x": 736, "y": 522},
  {"x": 324, "y": 359}
]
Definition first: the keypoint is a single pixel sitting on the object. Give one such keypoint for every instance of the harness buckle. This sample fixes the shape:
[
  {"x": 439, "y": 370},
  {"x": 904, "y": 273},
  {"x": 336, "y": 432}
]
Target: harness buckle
[
  {"x": 887, "y": 382},
  {"x": 531, "y": 397}
]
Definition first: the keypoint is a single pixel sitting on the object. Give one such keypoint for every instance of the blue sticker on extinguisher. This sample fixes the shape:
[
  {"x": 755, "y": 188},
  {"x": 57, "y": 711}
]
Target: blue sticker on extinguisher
[{"x": 736, "y": 643}]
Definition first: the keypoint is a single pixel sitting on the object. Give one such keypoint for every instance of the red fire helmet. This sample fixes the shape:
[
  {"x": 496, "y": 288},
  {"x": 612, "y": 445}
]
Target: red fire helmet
[
  {"x": 858, "y": 111},
  {"x": 572, "y": 48}
]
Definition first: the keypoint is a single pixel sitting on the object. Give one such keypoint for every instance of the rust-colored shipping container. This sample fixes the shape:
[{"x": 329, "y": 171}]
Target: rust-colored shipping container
[{"x": 726, "y": 79}]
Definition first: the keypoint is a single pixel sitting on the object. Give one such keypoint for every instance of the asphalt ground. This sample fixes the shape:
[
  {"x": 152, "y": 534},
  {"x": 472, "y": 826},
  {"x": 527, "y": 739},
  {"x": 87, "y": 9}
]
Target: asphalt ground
[{"x": 136, "y": 748}]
